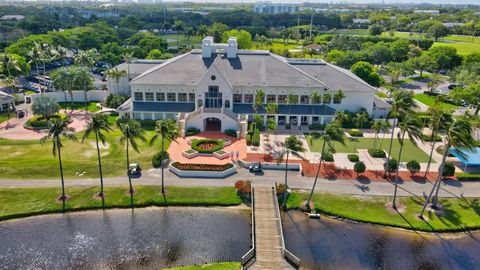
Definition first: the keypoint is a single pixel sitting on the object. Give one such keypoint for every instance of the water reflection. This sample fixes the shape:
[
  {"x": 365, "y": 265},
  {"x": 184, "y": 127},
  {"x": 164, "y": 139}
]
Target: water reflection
[
  {"x": 334, "y": 244},
  {"x": 151, "y": 238}
]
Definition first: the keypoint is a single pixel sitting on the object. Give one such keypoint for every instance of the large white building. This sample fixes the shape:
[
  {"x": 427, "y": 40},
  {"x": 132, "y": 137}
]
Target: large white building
[
  {"x": 275, "y": 8},
  {"x": 213, "y": 89}
]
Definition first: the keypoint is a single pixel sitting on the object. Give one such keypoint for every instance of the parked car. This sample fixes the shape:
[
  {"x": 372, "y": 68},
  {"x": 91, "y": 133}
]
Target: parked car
[
  {"x": 453, "y": 86},
  {"x": 20, "y": 113},
  {"x": 255, "y": 167},
  {"x": 134, "y": 169}
]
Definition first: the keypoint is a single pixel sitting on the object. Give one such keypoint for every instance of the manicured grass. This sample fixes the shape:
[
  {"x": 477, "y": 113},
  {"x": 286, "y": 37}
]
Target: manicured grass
[
  {"x": 91, "y": 106},
  {"x": 29, "y": 92},
  {"x": 410, "y": 151},
  {"x": 463, "y": 38},
  {"x": 463, "y": 47},
  {"x": 18, "y": 202},
  {"x": 31, "y": 160},
  {"x": 212, "y": 266},
  {"x": 4, "y": 116},
  {"x": 459, "y": 214},
  {"x": 430, "y": 101}
]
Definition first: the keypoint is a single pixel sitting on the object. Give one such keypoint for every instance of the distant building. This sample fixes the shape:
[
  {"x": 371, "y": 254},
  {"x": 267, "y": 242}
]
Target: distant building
[
  {"x": 6, "y": 101},
  {"x": 452, "y": 24},
  {"x": 427, "y": 11},
  {"x": 12, "y": 17},
  {"x": 361, "y": 21},
  {"x": 275, "y": 8}
]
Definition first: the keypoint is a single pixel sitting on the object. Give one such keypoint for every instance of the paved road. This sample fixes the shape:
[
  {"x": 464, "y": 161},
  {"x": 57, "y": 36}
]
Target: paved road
[{"x": 354, "y": 187}]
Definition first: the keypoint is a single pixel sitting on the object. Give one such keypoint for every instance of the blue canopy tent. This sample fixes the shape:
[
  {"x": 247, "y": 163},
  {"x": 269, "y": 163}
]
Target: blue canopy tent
[{"x": 468, "y": 157}]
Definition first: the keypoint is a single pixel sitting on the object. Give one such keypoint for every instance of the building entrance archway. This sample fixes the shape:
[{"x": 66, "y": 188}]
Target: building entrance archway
[{"x": 213, "y": 124}]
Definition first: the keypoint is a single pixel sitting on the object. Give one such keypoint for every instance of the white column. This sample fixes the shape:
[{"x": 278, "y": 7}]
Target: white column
[
  {"x": 299, "y": 120},
  {"x": 276, "y": 119},
  {"x": 310, "y": 120},
  {"x": 322, "y": 119}
]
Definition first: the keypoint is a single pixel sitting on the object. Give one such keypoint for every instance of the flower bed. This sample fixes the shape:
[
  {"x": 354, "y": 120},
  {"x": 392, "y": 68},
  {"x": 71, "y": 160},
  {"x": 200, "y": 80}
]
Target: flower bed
[
  {"x": 206, "y": 146},
  {"x": 202, "y": 167},
  {"x": 190, "y": 153},
  {"x": 221, "y": 154}
]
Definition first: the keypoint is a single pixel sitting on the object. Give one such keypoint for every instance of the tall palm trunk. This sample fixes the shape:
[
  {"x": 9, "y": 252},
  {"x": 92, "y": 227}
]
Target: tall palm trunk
[
  {"x": 437, "y": 181},
  {"x": 394, "y": 204},
  {"x": 316, "y": 176},
  {"x": 85, "y": 99},
  {"x": 390, "y": 147},
  {"x": 434, "y": 134},
  {"x": 57, "y": 142},
  {"x": 284, "y": 203},
  {"x": 161, "y": 164},
  {"x": 38, "y": 74},
  {"x": 129, "y": 178},
  {"x": 100, "y": 170}
]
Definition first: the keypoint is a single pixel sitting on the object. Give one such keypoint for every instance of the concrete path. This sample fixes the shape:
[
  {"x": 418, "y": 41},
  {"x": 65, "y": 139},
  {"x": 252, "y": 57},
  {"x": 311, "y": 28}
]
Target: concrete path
[
  {"x": 295, "y": 180},
  {"x": 268, "y": 238}
]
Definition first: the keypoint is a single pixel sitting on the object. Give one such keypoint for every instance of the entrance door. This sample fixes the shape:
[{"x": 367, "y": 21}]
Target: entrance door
[{"x": 213, "y": 124}]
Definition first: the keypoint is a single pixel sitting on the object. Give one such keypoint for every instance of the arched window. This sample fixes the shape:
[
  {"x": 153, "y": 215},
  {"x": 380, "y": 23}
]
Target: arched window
[
  {"x": 199, "y": 103},
  {"x": 227, "y": 103}
]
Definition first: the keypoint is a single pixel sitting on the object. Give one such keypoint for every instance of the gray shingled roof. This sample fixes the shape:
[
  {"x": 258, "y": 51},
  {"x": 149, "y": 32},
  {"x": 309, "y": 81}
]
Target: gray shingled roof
[
  {"x": 138, "y": 67},
  {"x": 4, "y": 97},
  {"x": 336, "y": 78},
  {"x": 285, "y": 109}
]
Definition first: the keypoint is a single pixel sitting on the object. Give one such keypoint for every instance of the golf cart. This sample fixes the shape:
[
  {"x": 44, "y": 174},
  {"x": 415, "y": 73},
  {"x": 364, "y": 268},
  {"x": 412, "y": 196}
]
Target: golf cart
[
  {"x": 134, "y": 169},
  {"x": 256, "y": 167}
]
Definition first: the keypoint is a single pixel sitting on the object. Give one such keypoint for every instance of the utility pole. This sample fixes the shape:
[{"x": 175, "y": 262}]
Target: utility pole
[{"x": 311, "y": 24}]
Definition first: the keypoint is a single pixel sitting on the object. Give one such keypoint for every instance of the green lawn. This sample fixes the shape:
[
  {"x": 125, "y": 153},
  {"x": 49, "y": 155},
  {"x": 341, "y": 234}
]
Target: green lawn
[
  {"x": 17, "y": 202},
  {"x": 463, "y": 48},
  {"x": 212, "y": 266},
  {"x": 460, "y": 214},
  {"x": 4, "y": 116},
  {"x": 91, "y": 106},
  {"x": 29, "y": 92},
  {"x": 31, "y": 160},
  {"x": 463, "y": 38},
  {"x": 430, "y": 101},
  {"x": 410, "y": 151}
]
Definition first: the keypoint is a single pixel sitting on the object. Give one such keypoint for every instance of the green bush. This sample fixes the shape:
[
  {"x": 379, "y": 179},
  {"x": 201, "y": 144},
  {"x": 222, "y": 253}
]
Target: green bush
[
  {"x": 448, "y": 169},
  {"x": 413, "y": 166},
  {"x": 359, "y": 167},
  {"x": 192, "y": 131},
  {"x": 114, "y": 101},
  {"x": 231, "y": 132},
  {"x": 148, "y": 123},
  {"x": 468, "y": 177},
  {"x": 429, "y": 138},
  {"x": 355, "y": 133},
  {"x": 157, "y": 159},
  {"x": 353, "y": 158},
  {"x": 202, "y": 167},
  {"x": 316, "y": 127},
  {"x": 40, "y": 122},
  {"x": 196, "y": 145},
  {"x": 328, "y": 157},
  {"x": 392, "y": 165},
  {"x": 377, "y": 153}
]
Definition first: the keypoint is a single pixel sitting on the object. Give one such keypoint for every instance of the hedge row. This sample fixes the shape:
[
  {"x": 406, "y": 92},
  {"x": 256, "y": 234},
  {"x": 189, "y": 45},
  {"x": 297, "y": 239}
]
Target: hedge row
[
  {"x": 429, "y": 138},
  {"x": 377, "y": 153},
  {"x": 202, "y": 167},
  {"x": 192, "y": 131},
  {"x": 197, "y": 143},
  {"x": 468, "y": 176},
  {"x": 353, "y": 158},
  {"x": 253, "y": 138}
]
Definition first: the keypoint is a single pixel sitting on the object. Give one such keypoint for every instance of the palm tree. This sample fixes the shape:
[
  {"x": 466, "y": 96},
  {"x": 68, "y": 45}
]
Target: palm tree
[
  {"x": 272, "y": 108},
  {"x": 202, "y": 30},
  {"x": 167, "y": 129},
  {"x": 333, "y": 133},
  {"x": 97, "y": 126},
  {"x": 8, "y": 63},
  {"x": 86, "y": 58},
  {"x": 459, "y": 135},
  {"x": 437, "y": 112},
  {"x": 403, "y": 103},
  {"x": 83, "y": 81},
  {"x": 57, "y": 129},
  {"x": 386, "y": 126},
  {"x": 116, "y": 74},
  {"x": 60, "y": 53},
  {"x": 131, "y": 131},
  {"x": 315, "y": 98},
  {"x": 359, "y": 119},
  {"x": 258, "y": 104},
  {"x": 412, "y": 127},
  {"x": 338, "y": 97},
  {"x": 178, "y": 26},
  {"x": 294, "y": 146},
  {"x": 128, "y": 58},
  {"x": 63, "y": 80},
  {"x": 292, "y": 99},
  {"x": 377, "y": 127},
  {"x": 35, "y": 55}
]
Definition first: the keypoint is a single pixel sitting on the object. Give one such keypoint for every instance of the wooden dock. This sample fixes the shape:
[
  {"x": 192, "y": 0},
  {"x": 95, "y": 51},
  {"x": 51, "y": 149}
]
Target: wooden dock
[{"x": 269, "y": 246}]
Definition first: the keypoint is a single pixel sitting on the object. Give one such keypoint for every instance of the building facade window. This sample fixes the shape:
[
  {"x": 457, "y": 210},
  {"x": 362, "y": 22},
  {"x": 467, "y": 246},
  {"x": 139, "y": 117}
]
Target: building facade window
[
  {"x": 137, "y": 116},
  {"x": 158, "y": 116},
  {"x": 191, "y": 97},
  {"x": 248, "y": 98},
  {"x": 304, "y": 99},
  {"x": 182, "y": 97},
  {"x": 237, "y": 98},
  {"x": 171, "y": 97},
  {"x": 138, "y": 96},
  {"x": 271, "y": 98},
  {"x": 282, "y": 99},
  {"x": 227, "y": 103},
  {"x": 160, "y": 97},
  {"x": 149, "y": 96},
  {"x": 170, "y": 116},
  {"x": 147, "y": 116}
]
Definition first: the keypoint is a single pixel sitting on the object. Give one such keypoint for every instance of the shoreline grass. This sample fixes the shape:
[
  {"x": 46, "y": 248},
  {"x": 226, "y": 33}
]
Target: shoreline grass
[
  {"x": 460, "y": 214},
  {"x": 25, "y": 202},
  {"x": 430, "y": 101},
  {"x": 211, "y": 266}
]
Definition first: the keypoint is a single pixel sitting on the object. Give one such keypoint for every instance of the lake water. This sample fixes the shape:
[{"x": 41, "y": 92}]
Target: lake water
[
  {"x": 150, "y": 238},
  {"x": 333, "y": 244}
]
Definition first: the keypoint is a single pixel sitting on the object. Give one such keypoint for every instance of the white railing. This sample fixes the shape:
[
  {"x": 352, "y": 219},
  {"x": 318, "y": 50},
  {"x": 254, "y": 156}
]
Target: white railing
[
  {"x": 249, "y": 258},
  {"x": 192, "y": 114},
  {"x": 230, "y": 114}
]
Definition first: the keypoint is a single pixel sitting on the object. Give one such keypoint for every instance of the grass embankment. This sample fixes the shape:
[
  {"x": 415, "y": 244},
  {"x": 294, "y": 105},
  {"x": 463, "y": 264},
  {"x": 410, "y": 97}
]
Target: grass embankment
[
  {"x": 430, "y": 101},
  {"x": 21, "y": 202},
  {"x": 91, "y": 106},
  {"x": 29, "y": 159},
  {"x": 4, "y": 116},
  {"x": 459, "y": 214},
  {"x": 212, "y": 266},
  {"x": 410, "y": 151}
]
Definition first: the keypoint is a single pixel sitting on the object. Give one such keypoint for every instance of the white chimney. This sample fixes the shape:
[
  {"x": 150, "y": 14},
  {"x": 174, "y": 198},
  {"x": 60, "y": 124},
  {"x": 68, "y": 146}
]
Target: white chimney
[
  {"x": 232, "y": 47},
  {"x": 207, "y": 47}
]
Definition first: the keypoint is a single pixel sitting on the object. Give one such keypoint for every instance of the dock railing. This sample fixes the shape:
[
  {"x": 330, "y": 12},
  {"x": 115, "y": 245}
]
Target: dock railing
[{"x": 249, "y": 258}]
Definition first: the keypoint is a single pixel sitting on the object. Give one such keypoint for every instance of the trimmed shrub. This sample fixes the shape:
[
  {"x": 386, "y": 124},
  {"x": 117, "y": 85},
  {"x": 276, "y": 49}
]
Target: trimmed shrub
[
  {"x": 328, "y": 157},
  {"x": 231, "y": 132},
  {"x": 353, "y": 158},
  {"x": 429, "y": 138},
  {"x": 192, "y": 131},
  {"x": 377, "y": 153},
  {"x": 448, "y": 169},
  {"x": 243, "y": 186},
  {"x": 467, "y": 177},
  {"x": 202, "y": 167},
  {"x": 355, "y": 132},
  {"x": 359, "y": 167},
  {"x": 114, "y": 101},
  {"x": 316, "y": 126},
  {"x": 157, "y": 159},
  {"x": 392, "y": 166},
  {"x": 148, "y": 123},
  {"x": 40, "y": 122},
  {"x": 413, "y": 166},
  {"x": 213, "y": 145}
]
